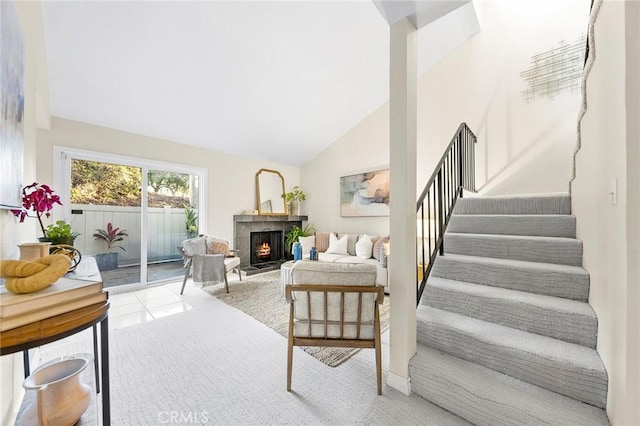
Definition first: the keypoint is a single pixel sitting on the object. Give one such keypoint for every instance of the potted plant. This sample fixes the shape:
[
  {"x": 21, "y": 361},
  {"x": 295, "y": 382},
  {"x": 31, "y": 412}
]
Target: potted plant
[
  {"x": 111, "y": 236},
  {"x": 40, "y": 199},
  {"x": 296, "y": 231},
  {"x": 191, "y": 221},
  {"x": 293, "y": 198},
  {"x": 59, "y": 233}
]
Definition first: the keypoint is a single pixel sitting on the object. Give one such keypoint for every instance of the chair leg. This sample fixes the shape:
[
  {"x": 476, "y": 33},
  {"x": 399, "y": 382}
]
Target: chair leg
[
  {"x": 226, "y": 283},
  {"x": 186, "y": 275},
  {"x": 289, "y": 364},
  {"x": 239, "y": 273},
  {"x": 290, "y": 350},
  {"x": 378, "y": 351}
]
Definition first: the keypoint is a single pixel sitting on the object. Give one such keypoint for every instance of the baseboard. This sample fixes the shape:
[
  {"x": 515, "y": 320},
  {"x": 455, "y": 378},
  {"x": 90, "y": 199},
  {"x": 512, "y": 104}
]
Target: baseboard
[{"x": 399, "y": 383}]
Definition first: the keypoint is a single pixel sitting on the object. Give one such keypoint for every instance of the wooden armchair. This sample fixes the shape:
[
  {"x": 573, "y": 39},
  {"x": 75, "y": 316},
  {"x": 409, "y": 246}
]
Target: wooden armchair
[
  {"x": 335, "y": 305},
  {"x": 208, "y": 267}
]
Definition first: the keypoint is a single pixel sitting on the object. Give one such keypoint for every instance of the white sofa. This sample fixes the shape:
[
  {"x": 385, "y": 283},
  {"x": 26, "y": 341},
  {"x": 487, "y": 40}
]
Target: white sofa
[{"x": 350, "y": 256}]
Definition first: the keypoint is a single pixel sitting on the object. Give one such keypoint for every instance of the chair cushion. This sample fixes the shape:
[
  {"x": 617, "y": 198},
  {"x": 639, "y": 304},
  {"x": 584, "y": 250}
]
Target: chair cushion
[
  {"x": 332, "y": 274},
  {"x": 330, "y": 257},
  {"x": 231, "y": 262}
]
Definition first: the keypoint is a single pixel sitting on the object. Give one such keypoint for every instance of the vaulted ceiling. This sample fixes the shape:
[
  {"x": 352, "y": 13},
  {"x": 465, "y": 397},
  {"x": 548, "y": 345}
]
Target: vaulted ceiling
[{"x": 273, "y": 80}]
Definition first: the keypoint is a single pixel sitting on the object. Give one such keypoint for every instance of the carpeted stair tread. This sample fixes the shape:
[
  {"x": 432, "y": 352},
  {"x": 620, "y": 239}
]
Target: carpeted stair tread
[
  {"x": 529, "y": 204},
  {"x": 544, "y": 225},
  {"x": 564, "y": 319},
  {"x": 568, "y": 369},
  {"x": 485, "y": 397},
  {"x": 564, "y": 251},
  {"x": 571, "y": 282}
]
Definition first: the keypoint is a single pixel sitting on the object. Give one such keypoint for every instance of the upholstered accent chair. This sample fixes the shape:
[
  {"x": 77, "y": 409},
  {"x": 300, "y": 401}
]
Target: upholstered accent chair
[
  {"x": 210, "y": 259},
  {"x": 335, "y": 305}
]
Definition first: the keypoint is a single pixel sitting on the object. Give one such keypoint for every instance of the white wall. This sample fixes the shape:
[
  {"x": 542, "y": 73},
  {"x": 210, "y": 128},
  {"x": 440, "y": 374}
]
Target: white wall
[
  {"x": 231, "y": 185},
  {"x": 11, "y": 232},
  {"x": 363, "y": 148},
  {"x": 611, "y": 232},
  {"x": 523, "y": 147}
]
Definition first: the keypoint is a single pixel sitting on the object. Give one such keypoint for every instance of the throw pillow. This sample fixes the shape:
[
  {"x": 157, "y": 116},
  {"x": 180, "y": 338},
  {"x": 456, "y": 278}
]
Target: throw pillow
[
  {"x": 322, "y": 241},
  {"x": 383, "y": 259},
  {"x": 351, "y": 243},
  {"x": 378, "y": 247},
  {"x": 364, "y": 247},
  {"x": 337, "y": 246},
  {"x": 217, "y": 246},
  {"x": 307, "y": 243}
]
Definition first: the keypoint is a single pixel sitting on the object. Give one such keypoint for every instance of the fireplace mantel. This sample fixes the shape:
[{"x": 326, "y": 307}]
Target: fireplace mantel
[
  {"x": 245, "y": 224},
  {"x": 259, "y": 218}
]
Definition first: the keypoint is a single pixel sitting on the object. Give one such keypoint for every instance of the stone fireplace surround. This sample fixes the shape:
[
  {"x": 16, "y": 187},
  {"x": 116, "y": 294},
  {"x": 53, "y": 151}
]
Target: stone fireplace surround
[{"x": 243, "y": 225}]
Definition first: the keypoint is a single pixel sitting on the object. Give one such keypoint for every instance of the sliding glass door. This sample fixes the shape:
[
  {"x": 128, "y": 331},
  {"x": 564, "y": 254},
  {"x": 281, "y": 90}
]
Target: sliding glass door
[
  {"x": 172, "y": 217},
  {"x": 131, "y": 213}
]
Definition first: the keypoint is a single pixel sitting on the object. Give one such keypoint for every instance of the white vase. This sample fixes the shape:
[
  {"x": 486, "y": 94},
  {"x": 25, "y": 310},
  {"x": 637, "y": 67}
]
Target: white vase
[
  {"x": 33, "y": 251},
  {"x": 60, "y": 396},
  {"x": 294, "y": 207}
]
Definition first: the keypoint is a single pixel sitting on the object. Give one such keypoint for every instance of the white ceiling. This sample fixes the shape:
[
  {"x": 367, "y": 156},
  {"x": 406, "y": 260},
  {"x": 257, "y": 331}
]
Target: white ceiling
[{"x": 273, "y": 80}]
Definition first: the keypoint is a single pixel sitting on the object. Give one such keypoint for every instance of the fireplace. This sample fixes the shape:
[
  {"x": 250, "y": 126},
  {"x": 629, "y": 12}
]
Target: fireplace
[
  {"x": 265, "y": 248},
  {"x": 252, "y": 261}
]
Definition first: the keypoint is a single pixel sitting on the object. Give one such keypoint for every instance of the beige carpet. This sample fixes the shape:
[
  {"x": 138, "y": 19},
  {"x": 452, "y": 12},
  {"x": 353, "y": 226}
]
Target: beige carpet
[{"x": 260, "y": 296}]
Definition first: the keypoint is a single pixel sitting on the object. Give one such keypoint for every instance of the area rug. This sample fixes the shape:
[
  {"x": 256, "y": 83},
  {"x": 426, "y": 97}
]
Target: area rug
[{"x": 260, "y": 296}]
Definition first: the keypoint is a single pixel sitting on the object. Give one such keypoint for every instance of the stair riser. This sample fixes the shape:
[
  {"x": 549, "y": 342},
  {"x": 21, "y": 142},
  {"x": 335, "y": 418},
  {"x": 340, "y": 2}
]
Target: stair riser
[
  {"x": 563, "y": 378},
  {"x": 533, "y": 280},
  {"x": 560, "y": 251},
  {"x": 536, "y": 226},
  {"x": 566, "y": 326},
  {"x": 515, "y": 205},
  {"x": 485, "y": 397}
]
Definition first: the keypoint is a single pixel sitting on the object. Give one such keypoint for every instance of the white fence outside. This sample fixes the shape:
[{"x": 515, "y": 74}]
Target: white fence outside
[{"x": 166, "y": 230}]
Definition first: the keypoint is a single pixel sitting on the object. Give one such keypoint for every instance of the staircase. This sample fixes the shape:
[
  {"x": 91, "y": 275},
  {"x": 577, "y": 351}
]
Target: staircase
[{"x": 505, "y": 331}]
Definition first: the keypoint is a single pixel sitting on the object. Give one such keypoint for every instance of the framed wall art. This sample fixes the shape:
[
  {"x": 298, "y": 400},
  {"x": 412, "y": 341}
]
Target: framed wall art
[
  {"x": 365, "y": 194},
  {"x": 11, "y": 106}
]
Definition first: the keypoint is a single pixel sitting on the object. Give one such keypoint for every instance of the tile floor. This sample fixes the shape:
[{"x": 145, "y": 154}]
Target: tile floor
[{"x": 144, "y": 305}]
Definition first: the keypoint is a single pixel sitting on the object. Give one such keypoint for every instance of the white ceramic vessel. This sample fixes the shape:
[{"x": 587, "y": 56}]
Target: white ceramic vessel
[{"x": 60, "y": 396}]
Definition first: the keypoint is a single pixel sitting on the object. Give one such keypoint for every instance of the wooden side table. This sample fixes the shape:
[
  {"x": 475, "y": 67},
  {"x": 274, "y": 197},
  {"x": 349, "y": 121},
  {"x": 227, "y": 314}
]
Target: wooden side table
[{"x": 58, "y": 327}]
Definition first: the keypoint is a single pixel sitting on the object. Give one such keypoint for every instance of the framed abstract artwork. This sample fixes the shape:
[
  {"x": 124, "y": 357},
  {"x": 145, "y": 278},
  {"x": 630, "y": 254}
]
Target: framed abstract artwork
[
  {"x": 11, "y": 106},
  {"x": 365, "y": 194}
]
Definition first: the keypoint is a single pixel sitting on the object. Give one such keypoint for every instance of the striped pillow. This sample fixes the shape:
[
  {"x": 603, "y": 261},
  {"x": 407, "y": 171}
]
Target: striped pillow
[
  {"x": 322, "y": 241},
  {"x": 378, "y": 247}
]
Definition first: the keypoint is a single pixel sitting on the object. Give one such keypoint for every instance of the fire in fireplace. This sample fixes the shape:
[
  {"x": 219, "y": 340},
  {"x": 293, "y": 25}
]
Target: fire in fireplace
[
  {"x": 266, "y": 247},
  {"x": 264, "y": 250}
]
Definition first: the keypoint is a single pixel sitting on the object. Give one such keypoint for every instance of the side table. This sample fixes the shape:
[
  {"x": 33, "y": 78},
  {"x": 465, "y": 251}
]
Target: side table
[{"x": 49, "y": 330}]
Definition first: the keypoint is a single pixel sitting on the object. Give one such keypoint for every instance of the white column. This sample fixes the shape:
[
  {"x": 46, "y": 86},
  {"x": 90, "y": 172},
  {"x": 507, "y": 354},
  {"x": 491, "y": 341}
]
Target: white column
[{"x": 402, "y": 261}]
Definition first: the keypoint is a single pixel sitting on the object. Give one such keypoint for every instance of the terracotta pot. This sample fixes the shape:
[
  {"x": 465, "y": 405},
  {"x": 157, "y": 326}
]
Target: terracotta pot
[{"x": 60, "y": 397}]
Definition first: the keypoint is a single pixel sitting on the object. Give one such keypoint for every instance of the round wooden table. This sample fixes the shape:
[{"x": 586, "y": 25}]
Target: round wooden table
[{"x": 49, "y": 330}]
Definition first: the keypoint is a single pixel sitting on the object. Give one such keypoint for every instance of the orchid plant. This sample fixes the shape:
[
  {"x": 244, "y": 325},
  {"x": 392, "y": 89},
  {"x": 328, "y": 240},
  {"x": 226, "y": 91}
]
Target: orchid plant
[{"x": 40, "y": 199}]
